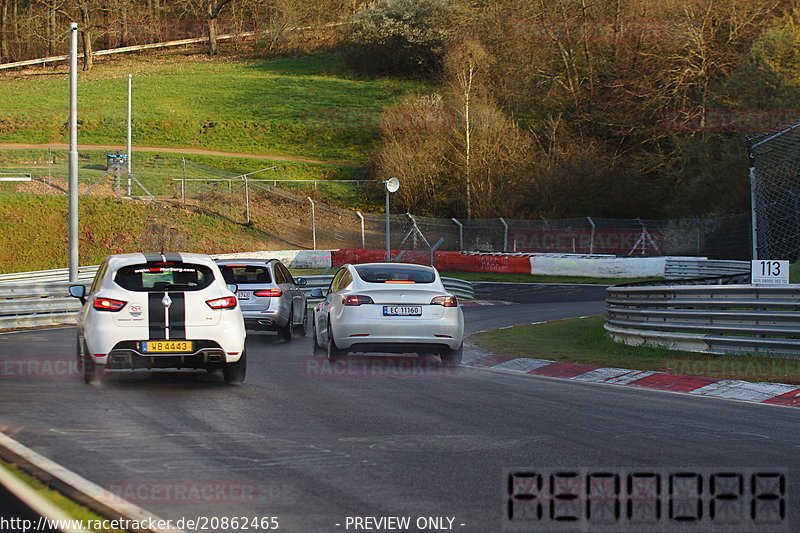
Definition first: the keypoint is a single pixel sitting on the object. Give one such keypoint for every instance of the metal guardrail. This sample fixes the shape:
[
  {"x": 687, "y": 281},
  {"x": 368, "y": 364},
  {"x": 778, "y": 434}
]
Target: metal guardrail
[
  {"x": 39, "y": 304},
  {"x": 700, "y": 267},
  {"x": 722, "y": 319}
]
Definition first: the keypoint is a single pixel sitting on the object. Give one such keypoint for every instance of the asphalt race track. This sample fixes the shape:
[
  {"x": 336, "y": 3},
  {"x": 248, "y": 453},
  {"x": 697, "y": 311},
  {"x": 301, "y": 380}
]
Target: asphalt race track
[{"x": 372, "y": 436}]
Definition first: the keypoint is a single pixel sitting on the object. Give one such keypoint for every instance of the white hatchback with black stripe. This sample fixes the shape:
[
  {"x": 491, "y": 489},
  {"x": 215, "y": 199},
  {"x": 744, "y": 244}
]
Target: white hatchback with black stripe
[{"x": 160, "y": 311}]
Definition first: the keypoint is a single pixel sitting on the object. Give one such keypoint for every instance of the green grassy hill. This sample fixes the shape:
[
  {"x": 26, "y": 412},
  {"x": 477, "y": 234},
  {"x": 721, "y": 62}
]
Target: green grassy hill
[
  {"x": 293, "y": 106},
  {"x": 302, "y": 107}
]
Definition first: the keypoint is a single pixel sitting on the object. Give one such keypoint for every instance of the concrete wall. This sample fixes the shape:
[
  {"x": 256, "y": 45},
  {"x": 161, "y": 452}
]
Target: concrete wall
[{"x": 599, "y": 267}]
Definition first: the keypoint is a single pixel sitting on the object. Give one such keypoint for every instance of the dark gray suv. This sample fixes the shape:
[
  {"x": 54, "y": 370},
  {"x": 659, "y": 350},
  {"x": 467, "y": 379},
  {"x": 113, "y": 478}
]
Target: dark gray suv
[{"x": 269, "y": 296}]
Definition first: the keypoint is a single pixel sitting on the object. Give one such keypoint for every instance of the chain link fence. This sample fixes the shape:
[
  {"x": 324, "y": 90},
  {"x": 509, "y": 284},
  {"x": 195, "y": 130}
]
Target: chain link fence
[
  {"x": 293, "y": 213},
  {"x": 775, "y": 190}
]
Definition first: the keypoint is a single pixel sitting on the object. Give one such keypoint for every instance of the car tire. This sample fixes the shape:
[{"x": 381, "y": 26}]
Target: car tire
[
  {"x": 91, "y": 371},
  {"x": 302, "y": 329},
  {"x": 452, "y": 358},
  {"x": 287, "y": 332},
  {"x": 234, "y": 373},
  {"x": 318, "y": 350},
  {"x": 331, "y": 350},
  {"x": 79, "y": 354}
]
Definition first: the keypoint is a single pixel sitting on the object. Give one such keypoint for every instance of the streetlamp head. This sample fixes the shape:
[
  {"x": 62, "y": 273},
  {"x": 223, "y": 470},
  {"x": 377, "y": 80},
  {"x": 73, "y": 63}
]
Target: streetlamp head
[{"x": 392, "y": 184}]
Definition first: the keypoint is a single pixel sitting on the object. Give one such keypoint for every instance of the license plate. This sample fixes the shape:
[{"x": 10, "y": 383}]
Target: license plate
[
  {"x": 402, "y": 310},
  {"x": 243, "y": 295},
  {"x": 167, "y": 346}
]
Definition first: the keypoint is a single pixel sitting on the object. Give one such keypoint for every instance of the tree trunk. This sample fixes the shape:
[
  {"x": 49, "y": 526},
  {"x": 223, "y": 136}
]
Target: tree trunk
[
  {"x": 51, "y": 30},
  {"x": 212, "y": 34},
  {"x": 86, "y": 36},
  {"x": 3, "y": 27}
]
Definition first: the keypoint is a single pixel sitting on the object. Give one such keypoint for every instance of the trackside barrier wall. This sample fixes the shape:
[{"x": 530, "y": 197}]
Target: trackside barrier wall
[
  {"x": 580, "y": 265},
  {"x": 721, "y": 319},
  {"x": 25, "y": 305}
]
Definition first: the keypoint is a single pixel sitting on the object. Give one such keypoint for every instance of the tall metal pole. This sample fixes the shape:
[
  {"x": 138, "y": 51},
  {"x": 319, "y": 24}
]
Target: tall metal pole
[
  {"x": 247, "y": 199},
  {"x": 753, "y": 221},
  {"x": 388, "y": 238},
  {"x": 128, "y": 144},
  {"x": 72, "y": 232},
  {"x": 183, "y": 183},
  {"x": 313, "y": 224}
]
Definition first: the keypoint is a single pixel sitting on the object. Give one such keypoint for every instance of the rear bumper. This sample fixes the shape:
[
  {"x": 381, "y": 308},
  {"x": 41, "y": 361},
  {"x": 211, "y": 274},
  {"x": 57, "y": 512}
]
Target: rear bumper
[
  {"x": 268, "y": 321},
  {"x": 406, "y": 347},
  {"x": 126, "y": 356},
  {"x": 394, "y": 335}
]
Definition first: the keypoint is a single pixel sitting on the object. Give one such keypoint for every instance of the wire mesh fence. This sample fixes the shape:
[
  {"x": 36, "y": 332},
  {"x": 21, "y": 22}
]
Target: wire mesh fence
[
  {"x": 775, "y": 189},
  {"x": 295, "y": 213}
]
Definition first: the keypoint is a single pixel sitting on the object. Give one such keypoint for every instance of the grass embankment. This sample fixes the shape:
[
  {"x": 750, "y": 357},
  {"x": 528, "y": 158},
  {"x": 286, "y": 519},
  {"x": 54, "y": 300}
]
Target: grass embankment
[
  {"x": 70, "y": 508},
  {"x": 584, "y": 341},
  {"x": 34, "y": 230},
  {"x": 301, "y": 106}
]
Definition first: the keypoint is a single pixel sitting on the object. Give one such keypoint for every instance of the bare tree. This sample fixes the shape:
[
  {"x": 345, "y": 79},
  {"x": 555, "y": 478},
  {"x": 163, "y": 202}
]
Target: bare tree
[
  {"x": 208, "y": 10},
  {"x": 465, "y": 65}
]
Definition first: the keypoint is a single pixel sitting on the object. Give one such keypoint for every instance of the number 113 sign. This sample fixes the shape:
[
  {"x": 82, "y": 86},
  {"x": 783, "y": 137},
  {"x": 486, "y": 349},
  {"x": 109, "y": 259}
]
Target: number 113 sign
[{"x": 769, "y": 272}]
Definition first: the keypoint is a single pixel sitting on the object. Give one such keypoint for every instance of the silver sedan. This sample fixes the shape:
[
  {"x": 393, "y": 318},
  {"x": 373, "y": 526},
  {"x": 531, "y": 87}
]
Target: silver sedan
[{"x": 388, "y": 307}]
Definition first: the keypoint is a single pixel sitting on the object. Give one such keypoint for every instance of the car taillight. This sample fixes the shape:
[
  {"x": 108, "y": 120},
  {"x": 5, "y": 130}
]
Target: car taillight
[
  {"x": 356, "y": 300},
  {"x": 269, "y": 293},
  {"x": 228, "y": 302},
  {"x": 445, "y": 301},
  {"x": 107, "y": 304}
]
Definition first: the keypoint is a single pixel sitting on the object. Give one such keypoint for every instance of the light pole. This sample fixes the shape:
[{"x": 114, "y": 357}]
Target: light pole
[
  {"x": 128, "y": 136},
  {"x": 390, "y": 185},
  {"x": 72, "y": 226}
]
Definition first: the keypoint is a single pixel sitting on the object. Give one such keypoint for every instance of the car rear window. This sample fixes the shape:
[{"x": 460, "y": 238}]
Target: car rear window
[
  {"x": 154, "y": 277},
  {"x": 246, "y": 274},
  {"x": 394, "y": 274}
]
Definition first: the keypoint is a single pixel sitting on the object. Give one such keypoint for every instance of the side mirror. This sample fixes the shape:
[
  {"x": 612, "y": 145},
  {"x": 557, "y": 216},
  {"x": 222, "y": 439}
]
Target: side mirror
[
  {"x": 317, "y": 293},
  {"x": 233, "y": 287},
  {"x": 301, "y": 282},
  {"x": 79, "y": 292}
]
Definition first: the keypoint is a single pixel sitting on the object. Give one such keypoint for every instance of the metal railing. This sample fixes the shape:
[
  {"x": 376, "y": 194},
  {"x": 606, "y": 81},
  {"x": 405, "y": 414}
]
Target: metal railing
[
  {"x": 701, "y": 267},
  {"x": 41, "y": 304},
  {"x": 722, "y": 319}
]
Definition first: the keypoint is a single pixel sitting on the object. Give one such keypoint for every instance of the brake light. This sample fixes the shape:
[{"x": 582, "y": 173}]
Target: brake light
[
  {"x": 445, "y": 301},
  {"x": 228, "y": 302},
  {"x": 269, "y": 293},
  {"x": 356, "y": 300},
  {"x": 107, "y": 304}
]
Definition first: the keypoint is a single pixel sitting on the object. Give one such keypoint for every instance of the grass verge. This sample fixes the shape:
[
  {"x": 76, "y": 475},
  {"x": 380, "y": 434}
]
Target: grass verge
[
  {"x": 584, "y": 341},
  {"x": 69, "y": 507}
]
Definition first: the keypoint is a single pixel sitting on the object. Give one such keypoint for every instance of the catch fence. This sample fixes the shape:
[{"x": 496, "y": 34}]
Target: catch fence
[
  {"x": 300, "y": 213},
  {"x": 775, "y": 193}
]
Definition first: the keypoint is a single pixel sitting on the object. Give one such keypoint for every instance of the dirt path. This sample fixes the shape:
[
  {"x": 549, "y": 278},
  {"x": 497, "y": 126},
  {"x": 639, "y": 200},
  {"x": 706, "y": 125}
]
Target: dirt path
[{"x": 197, "y": 151}]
